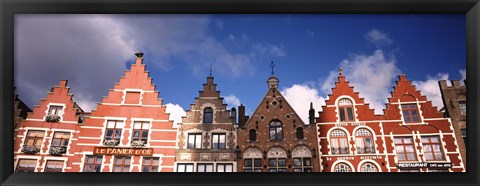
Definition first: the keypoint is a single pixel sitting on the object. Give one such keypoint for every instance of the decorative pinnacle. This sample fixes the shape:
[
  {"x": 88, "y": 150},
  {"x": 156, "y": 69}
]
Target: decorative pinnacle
[
  {"x": 210, "y": 70},
  {"x": 139, "y": 53},
  {"x": 272, "y": 65},
  {"x": 340, "y": 71}
]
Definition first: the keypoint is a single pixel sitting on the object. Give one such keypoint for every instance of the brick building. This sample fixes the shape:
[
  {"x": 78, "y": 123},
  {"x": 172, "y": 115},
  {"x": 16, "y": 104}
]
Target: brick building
[
  {"x": 275, "y": 139},
  {"x": 46, "y": 140},
  {"x": 455, "y": 104},
  {"x": 410, "y": 136},
  {"x": 207, "y": 136}
]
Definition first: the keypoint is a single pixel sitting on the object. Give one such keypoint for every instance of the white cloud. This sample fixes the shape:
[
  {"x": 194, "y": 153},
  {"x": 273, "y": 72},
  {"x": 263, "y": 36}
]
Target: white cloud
[
  {"x": 176, "y": 112},
  {"x": 300, "y": 96},
  {"x": 372, "y": 76},
  {"x": 232, "y": 101},
  {"x": 378, "y": 38},
  {"x": 270, "y": 50},
  {"x": 463, "y": 74},
  {"x": 431, "y": 89}
]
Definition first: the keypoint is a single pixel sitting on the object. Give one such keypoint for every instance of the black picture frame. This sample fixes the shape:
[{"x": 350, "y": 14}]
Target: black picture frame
[{"x": 8, "y": 9}]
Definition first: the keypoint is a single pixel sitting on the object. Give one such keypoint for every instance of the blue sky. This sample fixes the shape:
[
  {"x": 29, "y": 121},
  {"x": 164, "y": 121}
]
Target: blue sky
[{"x": 93, "y": 51}]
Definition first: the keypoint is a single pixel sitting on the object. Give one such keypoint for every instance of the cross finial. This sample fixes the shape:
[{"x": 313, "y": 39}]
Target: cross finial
[
  {"x": 272, "y": 65},
  {"x": 340, "y": 71},
  {"x": 210, "y": 70}
]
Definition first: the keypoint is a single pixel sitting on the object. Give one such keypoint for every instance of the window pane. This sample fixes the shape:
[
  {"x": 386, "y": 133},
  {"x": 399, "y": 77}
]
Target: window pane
[
  {"x": 297, "y": 162},
  {"x": 342, "y": 114},
  {"x": 281, "y": 162},
  {"x": 307, "y": 162},
  {"x": 257, "y": 162},
  {"x": 350, "y": 114},
  {"x": 272, "y": 162},
  {"x": 248, "y": 162}
]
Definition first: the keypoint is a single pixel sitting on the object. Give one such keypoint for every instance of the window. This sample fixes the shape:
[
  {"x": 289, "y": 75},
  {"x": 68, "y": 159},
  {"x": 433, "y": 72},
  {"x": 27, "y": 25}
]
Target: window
[
  {"x": 132, "y": 98},
  {"x": 121, "y": 164},
  {"x": 338, "y": 142},
  {"x": 93, "y": 163},
  {"x": 140, "y": 131},
  {"x": 208, "y": 115},
  {"x": 218, "y": 141},
  {"x": 464, "y": 135},
  {"x": 405, "y": 149},
  {"x": 54, "y": 166},
  {"x": 345, "y": 108},
  {"x": 368, "y": 167},
  {"x": 204, "y": 167},
  {"x": 55, "y": 110},
  {"x": 150, "y": 164},
  {"x": 277, "y": 165},
  {"x": 194, "y": 141},
  {"x": 224, "y": 167},
  {"x": 252, "y": 165},
  {"x": 432, "y": 148},
  {"x": 302, "y": 164},
  {"x": 410, "y": 113},
  {"x": 26, "y": 165},
  {"x": 463, "y": 107},
  {"x": 276, "y": 130},
  {"x": 60, "y": 140},
  {"x": 364, "y": 141},
  {"x": 253, "y": 135},
  {"x": 299, "y": 133},
  {"x": 342, "y": 167},
  {"x": 185, "y": 167},
  {"x": 114, "y": 130},
  {"x": 34, "y": 138}
]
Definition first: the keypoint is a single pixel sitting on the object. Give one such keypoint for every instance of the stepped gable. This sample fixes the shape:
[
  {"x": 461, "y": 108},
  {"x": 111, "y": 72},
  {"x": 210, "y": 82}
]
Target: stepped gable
[
  {"x": 342, "y": 87},
  {"x": 208, "y": 97},
  {"x": 135, "y": 87},
  {"x": 58, "y": 95},
  {"x": 404, "y": 91}
]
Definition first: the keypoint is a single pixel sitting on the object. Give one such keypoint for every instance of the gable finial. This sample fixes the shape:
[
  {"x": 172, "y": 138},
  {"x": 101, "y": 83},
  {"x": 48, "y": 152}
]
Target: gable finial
[
  {"x": 210, "y": 70},
  {"x": 340, "y": 71},
  {"x": 272, "y": 65}
]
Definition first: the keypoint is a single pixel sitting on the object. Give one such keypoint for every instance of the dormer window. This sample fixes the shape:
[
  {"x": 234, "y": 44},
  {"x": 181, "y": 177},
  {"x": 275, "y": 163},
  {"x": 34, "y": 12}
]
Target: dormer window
[
  {"x": 345, "y": 108},
  {"x": 208, "y": 115}
]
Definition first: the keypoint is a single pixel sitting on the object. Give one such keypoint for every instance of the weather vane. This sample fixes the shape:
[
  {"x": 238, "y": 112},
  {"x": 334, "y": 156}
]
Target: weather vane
[
  {"x": 210, "y": 70},
  {"x": 341, "y": 71},
  {"x": 272, "y": 65}
]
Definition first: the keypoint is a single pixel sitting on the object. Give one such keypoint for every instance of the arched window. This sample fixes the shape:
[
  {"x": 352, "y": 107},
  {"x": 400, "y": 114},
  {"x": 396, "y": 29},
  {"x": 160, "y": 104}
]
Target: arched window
[
  {"x": 253, "y": 135},
  {"x": 342, "y": 167},
  {"x": 277, "y": 160},
  {"x": 208, "y": 115},
  {"x": 368, "y": 167},
  {"x": 345, "y": 108},
  {"x": 302, "y": 159},
  {"x": 364, "y": 141},
  {"x": 299, "y": 133},
  {"x": 339, "y": 142},
  {"x": 276, "y": 130},
  {"x": 252, "y": 160}
]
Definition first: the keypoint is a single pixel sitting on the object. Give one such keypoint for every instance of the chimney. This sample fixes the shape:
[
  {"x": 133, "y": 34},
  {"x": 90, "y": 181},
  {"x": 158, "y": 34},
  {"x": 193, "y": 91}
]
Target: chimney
[
  {"x": 234, "y": 115},
  {"x": 311, "y": 114},
  {"x": 63, "y": 83},
  {"x": 241, "y": 115},
  {"x": 139, "y": 55}
]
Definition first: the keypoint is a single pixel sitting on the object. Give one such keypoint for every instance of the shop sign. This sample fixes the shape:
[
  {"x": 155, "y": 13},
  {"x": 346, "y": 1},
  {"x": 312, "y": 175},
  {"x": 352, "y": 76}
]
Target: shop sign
[
  {"x": 424, "y": 165},
  {"x": 122, "y": 151}
]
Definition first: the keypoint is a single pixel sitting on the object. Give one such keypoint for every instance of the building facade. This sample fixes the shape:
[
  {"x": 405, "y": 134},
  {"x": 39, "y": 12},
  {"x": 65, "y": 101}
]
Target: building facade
[
  {"x": 411, "y": 135},
  {"x": 455, "y": 104},
  {"x": 275, "y": 139},
  {"x": 207, "y": 136},
  {"x": 46, "y": 140}
]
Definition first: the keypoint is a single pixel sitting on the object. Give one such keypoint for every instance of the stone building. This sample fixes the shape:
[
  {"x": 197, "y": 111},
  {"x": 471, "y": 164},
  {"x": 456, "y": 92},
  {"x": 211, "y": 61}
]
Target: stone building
[
  {"x": 411, "y": 135},
  {"x": 207, "y": 135},
  {"x": 46, "y": 140},
  {"x": 275, "y": 139},
  {"x": 455, "y": 104}
]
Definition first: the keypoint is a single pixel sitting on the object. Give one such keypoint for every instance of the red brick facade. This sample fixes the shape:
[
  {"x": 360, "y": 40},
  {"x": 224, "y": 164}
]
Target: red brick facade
[
  {"x": 275, "y": 139},
  {"x": 411, "y": 135}
]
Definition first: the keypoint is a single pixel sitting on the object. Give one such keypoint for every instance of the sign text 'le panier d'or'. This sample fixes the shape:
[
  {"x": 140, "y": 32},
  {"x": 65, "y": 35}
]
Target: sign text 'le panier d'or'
[{"x": 122, "y": 151}]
